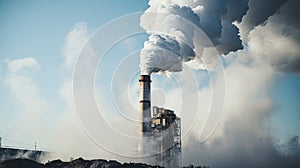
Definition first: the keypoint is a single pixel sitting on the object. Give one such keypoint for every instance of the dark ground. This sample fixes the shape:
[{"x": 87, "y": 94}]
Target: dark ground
[{"x": 78, "y": 163}]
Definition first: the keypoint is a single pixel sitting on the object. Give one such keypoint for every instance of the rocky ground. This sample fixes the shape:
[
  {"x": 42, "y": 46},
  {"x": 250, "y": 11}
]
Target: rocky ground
[{"x": 78, "y": 163}]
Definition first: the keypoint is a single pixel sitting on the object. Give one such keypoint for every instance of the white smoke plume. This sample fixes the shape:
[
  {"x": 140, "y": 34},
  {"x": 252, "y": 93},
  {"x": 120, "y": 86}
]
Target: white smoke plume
[
  {"x": 172, "y": 42},
  {"x": 270, "y": 33}
]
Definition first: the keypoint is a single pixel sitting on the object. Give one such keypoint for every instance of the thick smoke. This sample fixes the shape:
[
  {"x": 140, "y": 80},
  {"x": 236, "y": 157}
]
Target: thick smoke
[
  {"x": 169, "y": 50},
  {"x": 259, "y": 11},
  {"x": 171, "y": 25},
  {"x": 277, "y": 42},
  {"x": 223, "y": 22},
  {"x": 270, "y": 32}
]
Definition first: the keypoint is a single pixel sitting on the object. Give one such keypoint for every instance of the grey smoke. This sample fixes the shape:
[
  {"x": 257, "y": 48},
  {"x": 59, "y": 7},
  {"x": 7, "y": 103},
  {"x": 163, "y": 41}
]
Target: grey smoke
[
  {"x": 288, "y": 21},
  {"x": 224, "y": 23},
  {"x": 263, "y": 155},
  {"x": 278, "y": 41},
  {"x": 259, "y": 11},
  {"x": 230, "y": 40},
  {"x": 270, "y": 31},
  {"x": 208, "y": 15},
  {"x": 236, "y": 9}
]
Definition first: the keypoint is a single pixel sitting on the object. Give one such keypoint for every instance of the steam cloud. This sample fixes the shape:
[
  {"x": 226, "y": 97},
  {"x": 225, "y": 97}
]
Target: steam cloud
[
  {"x": 166, "y": 52},
  {"x": 225, "y": 23}
]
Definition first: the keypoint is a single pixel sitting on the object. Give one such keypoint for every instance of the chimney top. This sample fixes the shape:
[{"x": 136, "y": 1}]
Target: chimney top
[{"x": 145, "y": 78}]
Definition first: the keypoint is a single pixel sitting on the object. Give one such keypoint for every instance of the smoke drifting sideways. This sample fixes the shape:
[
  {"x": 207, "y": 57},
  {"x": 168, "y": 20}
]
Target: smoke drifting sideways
[{"x": 172, "y": 41}]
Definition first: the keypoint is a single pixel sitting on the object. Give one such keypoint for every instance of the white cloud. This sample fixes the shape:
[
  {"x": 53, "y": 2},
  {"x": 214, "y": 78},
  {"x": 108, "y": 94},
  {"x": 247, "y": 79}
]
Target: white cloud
[
  {"x": 30, "y": 122},
  {"x": 21, "y": 83},
  {"x": 75, "y": 142},
  {"x": 74, "y": 42},
  {"x": 38, "y": 119},
  {"x": 20, "y": 65}
]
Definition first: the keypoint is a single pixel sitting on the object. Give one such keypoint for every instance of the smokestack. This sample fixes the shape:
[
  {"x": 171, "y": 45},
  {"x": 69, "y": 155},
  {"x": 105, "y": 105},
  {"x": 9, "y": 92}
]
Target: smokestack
[{"x": 145, "y": 104}]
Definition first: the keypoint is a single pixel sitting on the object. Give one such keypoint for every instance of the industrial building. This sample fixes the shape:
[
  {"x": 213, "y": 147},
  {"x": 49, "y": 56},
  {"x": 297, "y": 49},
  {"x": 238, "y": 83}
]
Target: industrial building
[
  {"x": 167, "y": 135},
  {"x": 161, "y": 130}
]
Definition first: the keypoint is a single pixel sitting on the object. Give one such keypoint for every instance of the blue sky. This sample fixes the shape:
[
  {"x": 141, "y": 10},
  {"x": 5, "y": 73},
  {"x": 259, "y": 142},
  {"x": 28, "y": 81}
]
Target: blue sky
[
  {"x": 39, "y": 29},
  {"x": 286, "y": 94}
]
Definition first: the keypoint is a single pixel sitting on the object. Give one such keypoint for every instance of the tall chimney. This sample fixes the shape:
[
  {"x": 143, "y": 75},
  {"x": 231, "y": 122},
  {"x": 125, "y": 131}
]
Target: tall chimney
[{"x": 145, "y": 104}]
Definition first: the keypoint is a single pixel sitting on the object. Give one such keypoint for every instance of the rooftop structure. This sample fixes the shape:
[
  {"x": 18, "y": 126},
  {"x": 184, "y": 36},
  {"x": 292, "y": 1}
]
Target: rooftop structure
[{"x": 167, "y": 135}]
